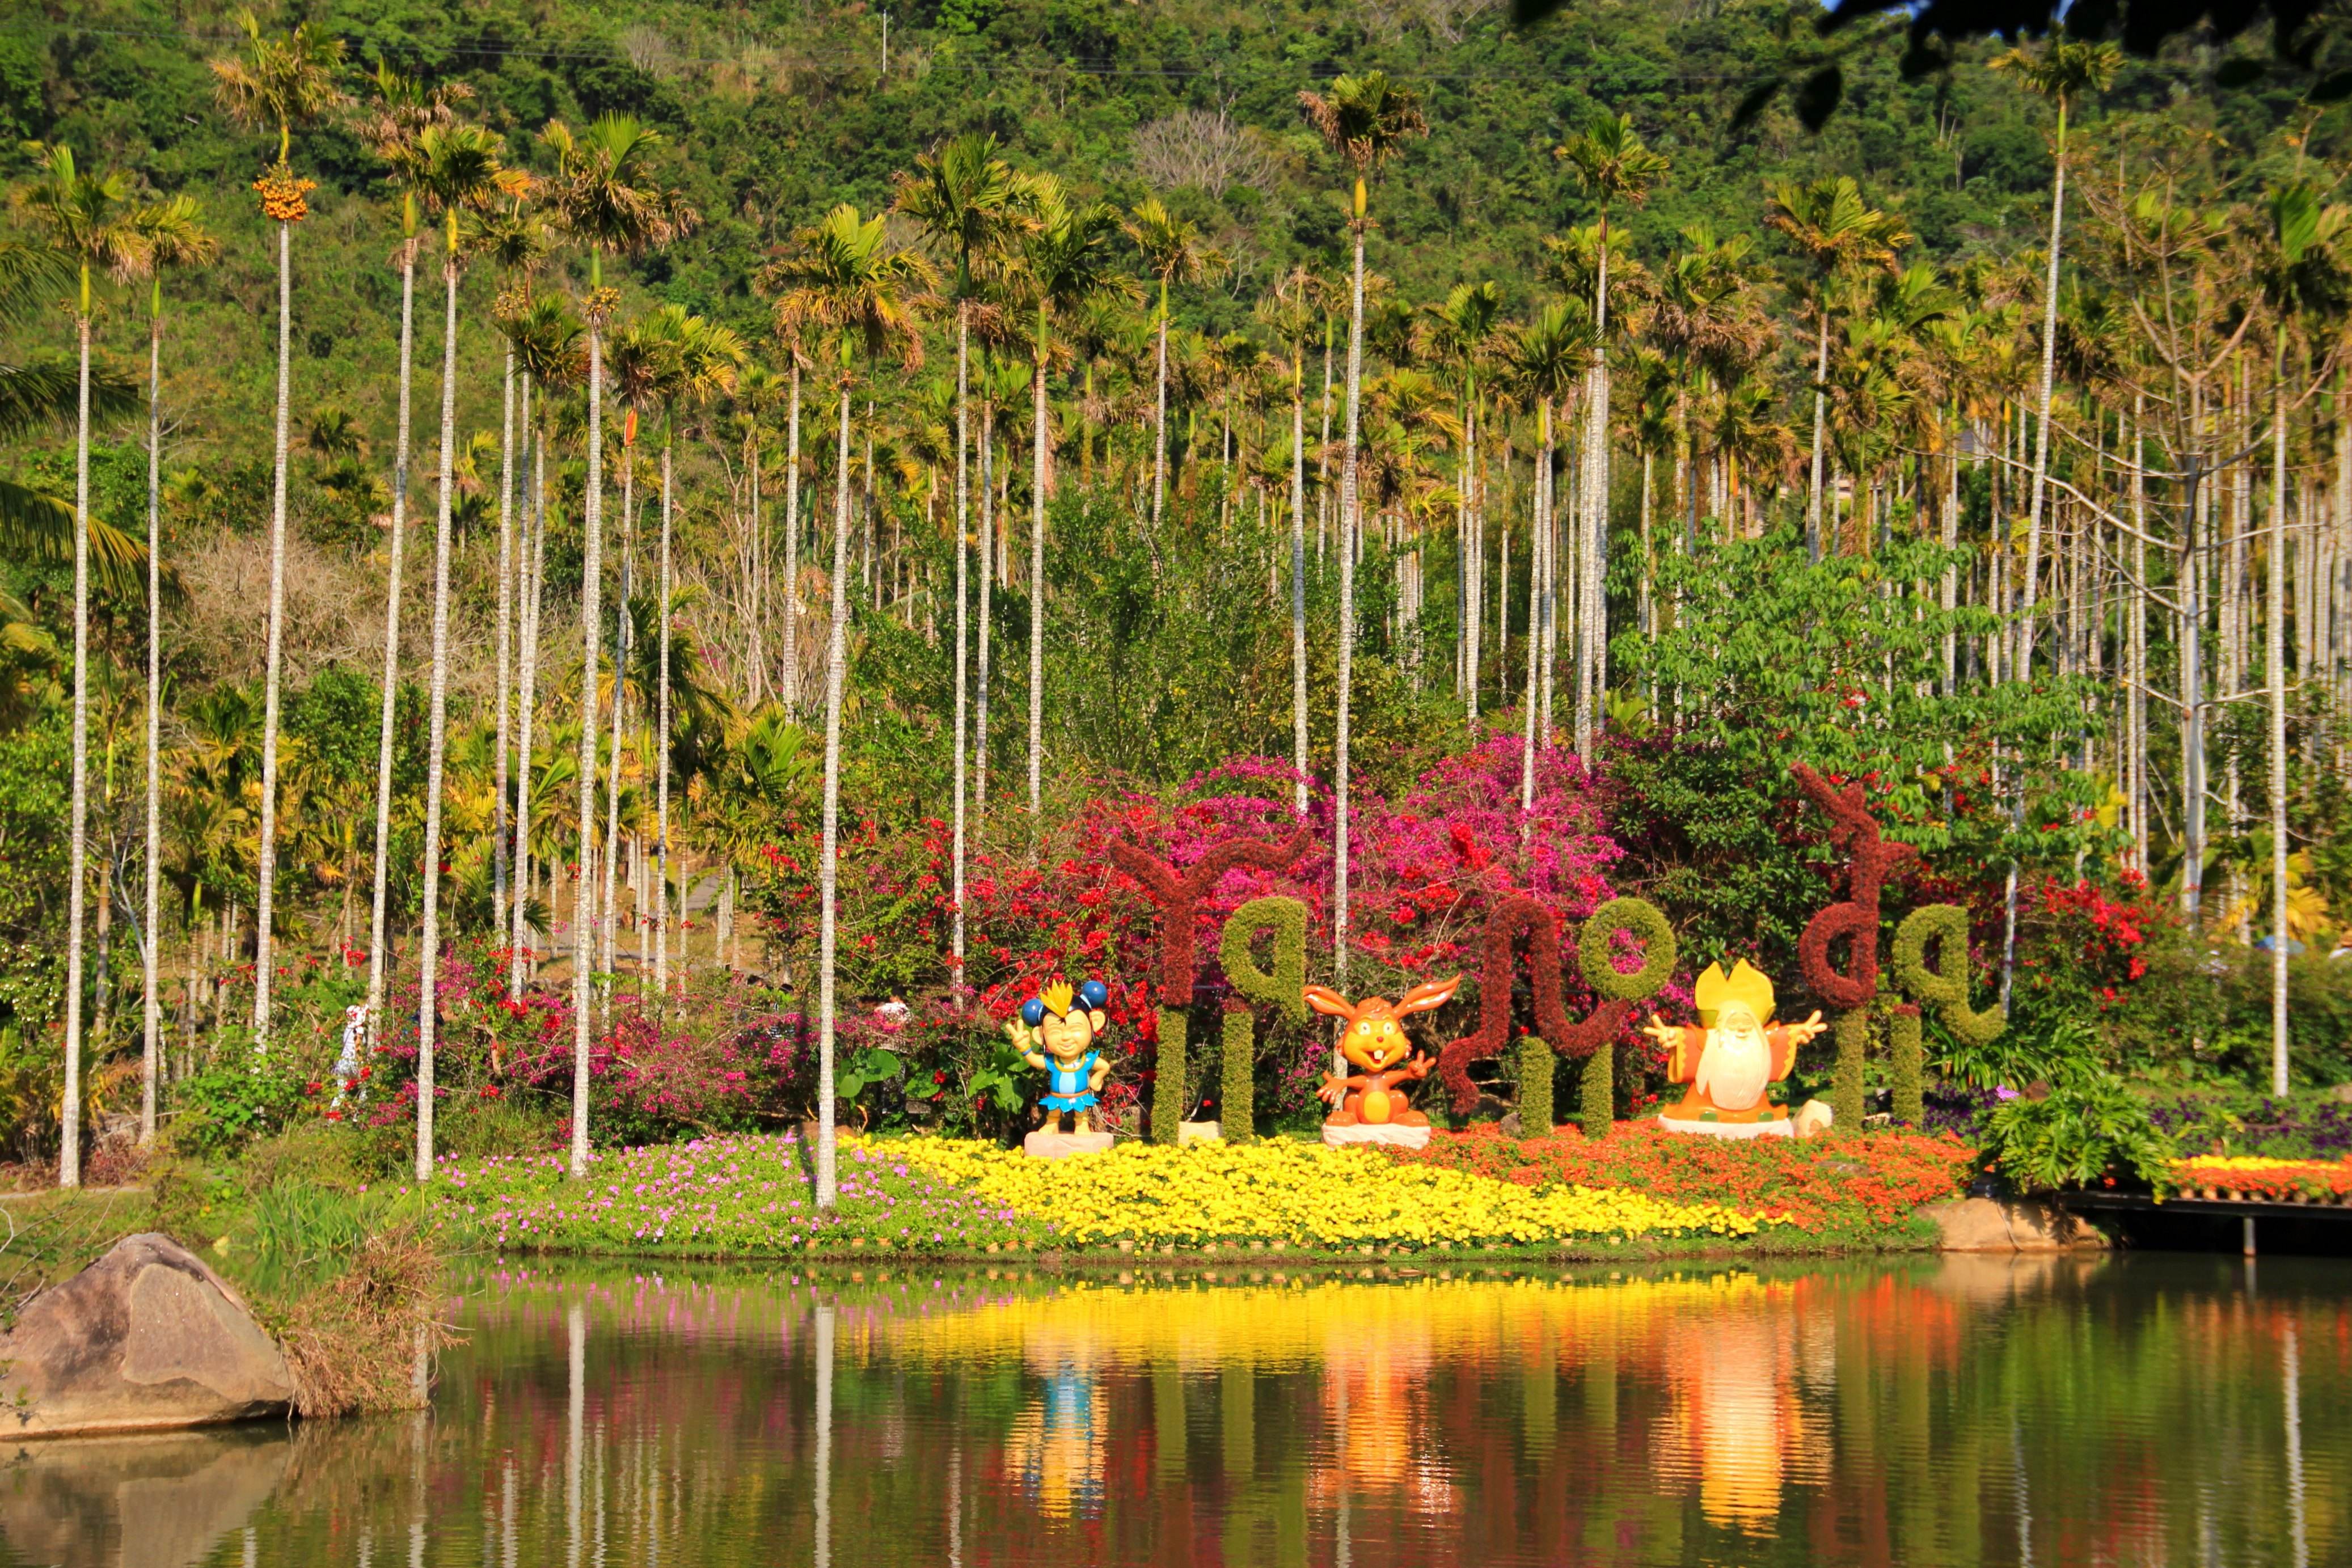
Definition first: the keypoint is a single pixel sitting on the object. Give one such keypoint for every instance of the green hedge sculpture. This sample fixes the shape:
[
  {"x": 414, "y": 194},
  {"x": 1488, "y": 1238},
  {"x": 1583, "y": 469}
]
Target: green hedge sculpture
[
  {"x": 1535, "y": 1088},
  {"x": 1168, "y": 1084},
  {"x": 1947, "y": 988},
  {"x": 1596, "y": 960},
  {"x": 1238, "y": 1080},
  {"x": 1283, "y": 989},
  {"x": 1909, "y": 1056}
]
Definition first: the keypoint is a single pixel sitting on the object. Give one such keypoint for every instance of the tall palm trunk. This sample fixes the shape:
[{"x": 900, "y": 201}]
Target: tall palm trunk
[
  {"x": 2042, "y": 418},
  {"x": 534, "y": 528},
  {"x": 1041, "y": 447},
  {"x": 661, "y": 785},
  {"x": 623, "y": 641},
  {"x": 592, "y": 610},
  {"x": 1298, "y": 577},
  {"x": 1539, "y": 534},
  {"x": 1471, "y": 534},
  {"x": 1821, "y": 423},
  {"x": 1160, "y": 419},
  {"x": 963, "y": 557},
  {"x": 982, "y": 605},
  {"x": 829, "y": 857},
  {"x": 1350, "y": 524},
  {"x": 505, "y": 635},
  {"x": 792, "y": 549},
  {"x": 428, "y": 951},
  {"x": 379, "y": 963},
  {"x": 2275, "y": 657},
  {"x": 150, "y": 955},
  {"x": 77, "y": 889},
  {"x": 1592, "y": 547},
  {"x": 273, "y": 657}
]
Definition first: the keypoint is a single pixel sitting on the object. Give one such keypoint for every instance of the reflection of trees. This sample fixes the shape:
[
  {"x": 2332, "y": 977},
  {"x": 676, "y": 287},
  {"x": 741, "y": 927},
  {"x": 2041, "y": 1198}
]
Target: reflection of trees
[{"x": 1858, "y": 1414}]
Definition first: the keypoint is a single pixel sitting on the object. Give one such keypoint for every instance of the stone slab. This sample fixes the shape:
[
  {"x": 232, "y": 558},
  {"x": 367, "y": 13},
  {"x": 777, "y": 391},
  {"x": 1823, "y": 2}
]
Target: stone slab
[
  {"x": 1388, "y": 1133},
  {"x": 1988, "y": 1225},
  {"x": 1783, "y": 1128},
  {"x": 1045, "y": 1146},
  {"x": 1197, "y": 1133}
]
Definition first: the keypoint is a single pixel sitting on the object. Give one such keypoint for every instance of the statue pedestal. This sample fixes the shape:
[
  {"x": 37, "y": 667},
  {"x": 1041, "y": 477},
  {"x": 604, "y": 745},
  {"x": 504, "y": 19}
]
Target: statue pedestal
[
  {"x": 1045, "y": 1146},
  {"x": 1197, "y": 1133},
  {"x": 1386, "y": 1132},
  {"x": 1781, "y": 1128}
]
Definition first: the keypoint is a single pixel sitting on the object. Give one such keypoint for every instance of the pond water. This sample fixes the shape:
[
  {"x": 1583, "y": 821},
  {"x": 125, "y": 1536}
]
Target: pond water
[{"x": 1954, "y": 1410}]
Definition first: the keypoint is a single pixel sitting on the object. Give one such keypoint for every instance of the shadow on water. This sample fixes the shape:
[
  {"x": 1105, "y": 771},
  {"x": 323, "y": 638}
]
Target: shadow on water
[{"x": 1964, "y": 1409}]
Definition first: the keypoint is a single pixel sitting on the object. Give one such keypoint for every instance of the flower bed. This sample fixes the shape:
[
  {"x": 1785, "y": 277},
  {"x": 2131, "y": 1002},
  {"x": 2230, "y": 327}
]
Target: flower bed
[
  {"x": 747, "y": 1194},
  {"x": 1302, "y": 1195},
  {"x": 1815, "y": 1184},
  {"x": 2267, "y": 1180}
]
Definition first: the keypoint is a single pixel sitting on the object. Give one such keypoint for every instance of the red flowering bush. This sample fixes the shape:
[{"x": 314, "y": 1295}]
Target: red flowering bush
[{"x": 1815, "y": 1184}]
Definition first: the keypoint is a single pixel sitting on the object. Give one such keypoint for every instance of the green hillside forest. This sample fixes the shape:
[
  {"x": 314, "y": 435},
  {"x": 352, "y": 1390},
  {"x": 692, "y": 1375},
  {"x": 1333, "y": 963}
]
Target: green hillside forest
[{"x": 702, "y": 519}]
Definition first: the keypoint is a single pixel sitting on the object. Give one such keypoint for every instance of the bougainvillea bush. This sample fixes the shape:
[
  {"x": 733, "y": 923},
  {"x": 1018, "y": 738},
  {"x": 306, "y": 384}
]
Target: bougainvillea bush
[{"x": 1819, "y": 1184}]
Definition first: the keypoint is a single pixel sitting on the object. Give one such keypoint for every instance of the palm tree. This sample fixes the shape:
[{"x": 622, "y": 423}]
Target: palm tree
[
  {"x": 708, "y": 358},
  {"x": 1066, "y": 264},
  {"x": 1465, "y": 324},
  {"x": 401, "y": 111},
  {"x": 1838, "y": 234},
  {"x": 1612, "y": 163},
  {"x": 1546, "y": 359},
  {"x": 970, "y": 203},
  {"x": 458, "y": 170},
  {"x": 282, "y": 82},
  {"x": 2061, "y": 70},
  {"x": 1173, "y": 253},
  {"x": 604, "y": 191},
  {"x": 173, "y": 238},
  {"x": 545, "y": 339},
  {"x": 1365, "y": 119},
  {"x": 1291, "y": 311},
  {"x": 87, "y": 219},
  {"x": 842, "y": 277}
]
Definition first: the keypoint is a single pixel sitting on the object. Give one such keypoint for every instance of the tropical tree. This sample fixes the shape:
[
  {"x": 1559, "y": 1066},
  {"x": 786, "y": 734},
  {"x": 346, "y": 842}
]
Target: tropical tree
[
  {"x": 88, "y": 218},
  {"x": 970, "y": 204},
  {"x": 1465, "y": 324},
  {"x": 1066, "y": 264},
  {"x": 457, "y": 170},
  {"x": 1173, "y": 253},
  {"x": 1546, "y": 359},
  {"x": 604, "y": 193},
  {"x": 281, "y": 82},
  {"x": 173, "y": 238},
  {"x": 1290, "y": 310},
  {"x": 401, "y": 109},
  {"x": 2062, "y": 71},
  {"x": 1612, "y": 164},
  {"x": 843, "y": 279},
  {"x": 1838, "y": 234},
  {"x": 1367, "y": 119}
]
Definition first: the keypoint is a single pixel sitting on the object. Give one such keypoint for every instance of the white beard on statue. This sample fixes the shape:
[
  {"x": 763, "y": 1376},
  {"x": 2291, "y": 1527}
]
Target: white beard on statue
[{"x": 1734, "y": 1068}]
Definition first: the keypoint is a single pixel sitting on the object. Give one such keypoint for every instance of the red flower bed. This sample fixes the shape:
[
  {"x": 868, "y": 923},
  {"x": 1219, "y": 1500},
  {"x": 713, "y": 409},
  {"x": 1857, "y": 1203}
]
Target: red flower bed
[{"x": 1814, "y": 1183}]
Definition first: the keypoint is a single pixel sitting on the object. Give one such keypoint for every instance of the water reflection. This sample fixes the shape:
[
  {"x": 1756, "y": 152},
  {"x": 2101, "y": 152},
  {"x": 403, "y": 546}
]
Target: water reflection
[{"x": 1965, "y": 1410}]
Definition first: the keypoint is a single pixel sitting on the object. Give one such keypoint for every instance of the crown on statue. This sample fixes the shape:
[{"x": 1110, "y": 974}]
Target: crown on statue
[
  {"x": 1056, "y": 998},
  {"x": 1744, "y": 984}
]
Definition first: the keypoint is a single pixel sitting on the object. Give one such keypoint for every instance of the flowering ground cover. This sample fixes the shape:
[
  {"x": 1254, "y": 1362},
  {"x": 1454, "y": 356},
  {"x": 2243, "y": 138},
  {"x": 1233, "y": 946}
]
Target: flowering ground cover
[
  {"x": 738, "y": 1195},
  {"x": 1818, "y": 1185},
  {"x": 2277, "y": 1181},
  {"x": 1304, "y": 1194}
]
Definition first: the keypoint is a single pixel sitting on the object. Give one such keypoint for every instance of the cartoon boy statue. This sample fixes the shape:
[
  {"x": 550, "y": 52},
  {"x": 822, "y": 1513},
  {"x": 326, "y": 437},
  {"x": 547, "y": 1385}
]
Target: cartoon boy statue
[{"x": 1056, "y": 1031}]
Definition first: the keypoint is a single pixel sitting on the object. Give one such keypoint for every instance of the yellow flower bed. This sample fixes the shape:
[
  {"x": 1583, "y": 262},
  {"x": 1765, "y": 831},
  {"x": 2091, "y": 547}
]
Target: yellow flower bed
[{"x": 1296, "y": 1194}]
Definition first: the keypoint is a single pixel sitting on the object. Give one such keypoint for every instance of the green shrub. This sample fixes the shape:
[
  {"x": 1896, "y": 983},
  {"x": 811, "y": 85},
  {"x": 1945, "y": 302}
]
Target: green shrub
[{"x": 2077, "y": 1134}]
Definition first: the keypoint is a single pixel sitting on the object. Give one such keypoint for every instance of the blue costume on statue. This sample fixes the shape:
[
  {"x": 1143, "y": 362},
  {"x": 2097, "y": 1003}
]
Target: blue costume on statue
[{"x": 1055, "y": 1033}]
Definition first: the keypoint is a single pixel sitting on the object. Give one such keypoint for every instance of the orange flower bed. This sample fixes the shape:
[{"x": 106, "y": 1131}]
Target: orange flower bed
[
  {"x": 2267, "y": 1180},
  {"x": 1814, "y": 1183}
]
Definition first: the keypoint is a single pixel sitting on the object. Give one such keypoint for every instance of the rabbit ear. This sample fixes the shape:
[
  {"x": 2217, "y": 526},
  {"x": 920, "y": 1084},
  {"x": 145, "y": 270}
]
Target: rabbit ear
[
  {"x": 1324, "y": 999},
  {"x": 1427, "y": 995}
]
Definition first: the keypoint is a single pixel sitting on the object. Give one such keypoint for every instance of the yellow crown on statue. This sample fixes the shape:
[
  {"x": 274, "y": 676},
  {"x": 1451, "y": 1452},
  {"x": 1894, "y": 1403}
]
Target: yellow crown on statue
[
  {"x": 1744, "y": 984},
  {"x": 1056, "y": 998}
]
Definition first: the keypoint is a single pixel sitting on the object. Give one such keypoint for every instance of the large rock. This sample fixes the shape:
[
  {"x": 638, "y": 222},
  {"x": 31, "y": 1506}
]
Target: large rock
[
  {"x": 1982, "y": 1225},
  {"x": 146, "y": 1338}
]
